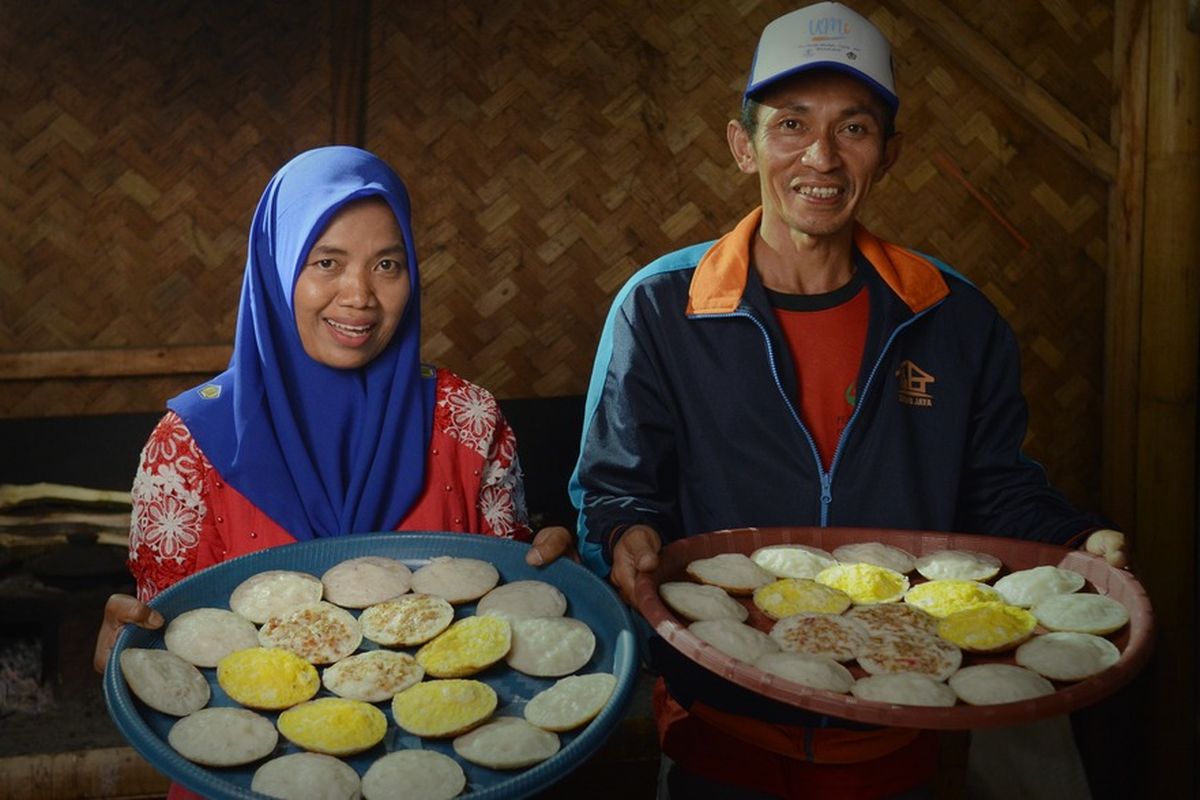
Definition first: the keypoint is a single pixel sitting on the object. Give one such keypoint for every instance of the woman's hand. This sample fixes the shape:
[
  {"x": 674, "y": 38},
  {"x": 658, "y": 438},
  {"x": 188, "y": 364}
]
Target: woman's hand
[
  {"x": 118, "y": 611},
  {"x": 551, "y": 544},
  {"x": 635, "y": 552},
  {"x": 1110, "y": 544}
]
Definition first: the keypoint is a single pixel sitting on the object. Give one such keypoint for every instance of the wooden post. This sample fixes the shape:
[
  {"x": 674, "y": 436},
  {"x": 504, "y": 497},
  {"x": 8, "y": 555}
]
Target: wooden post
[
  {"x": 1123, "y": 303},
  {"x": 1170, "y": 350},
  {"x": 348, "y": 47}
]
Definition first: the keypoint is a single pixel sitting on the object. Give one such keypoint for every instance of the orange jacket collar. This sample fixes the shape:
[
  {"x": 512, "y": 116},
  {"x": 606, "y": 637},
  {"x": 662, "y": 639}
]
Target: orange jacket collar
[{"x": 720, "y": 278}]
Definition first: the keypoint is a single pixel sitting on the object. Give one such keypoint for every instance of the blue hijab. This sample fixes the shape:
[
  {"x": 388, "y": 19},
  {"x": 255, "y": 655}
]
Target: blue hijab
[{"x": 322, "y": 451}]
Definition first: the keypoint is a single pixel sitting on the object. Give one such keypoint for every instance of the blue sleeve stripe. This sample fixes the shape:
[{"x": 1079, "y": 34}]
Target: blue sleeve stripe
[{"x": 687, "y": 258}]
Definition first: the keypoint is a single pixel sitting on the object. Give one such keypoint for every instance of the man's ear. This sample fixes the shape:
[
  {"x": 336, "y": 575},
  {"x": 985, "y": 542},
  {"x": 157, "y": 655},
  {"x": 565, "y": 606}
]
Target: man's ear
[
  {"x": 742, "y": 147},
  {"x": 891, "y": 153}
]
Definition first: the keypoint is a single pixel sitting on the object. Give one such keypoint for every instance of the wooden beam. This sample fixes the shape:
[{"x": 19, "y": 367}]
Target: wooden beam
[
  {"x": 116, "y": 363},
  {"x": 1167, "y": 406},
  {"x": 348, "y": 49},
  {"x": 1123, "y": 302},
  {"x": 984, "y": 61}
]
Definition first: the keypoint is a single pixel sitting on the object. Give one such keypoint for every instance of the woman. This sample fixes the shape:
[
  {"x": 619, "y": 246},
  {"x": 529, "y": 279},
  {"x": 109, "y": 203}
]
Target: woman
[{"x": 326, "y": 423}]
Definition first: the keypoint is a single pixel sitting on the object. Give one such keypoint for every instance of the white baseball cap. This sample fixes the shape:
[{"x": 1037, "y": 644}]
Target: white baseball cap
[{"x": 823, "y": 36}]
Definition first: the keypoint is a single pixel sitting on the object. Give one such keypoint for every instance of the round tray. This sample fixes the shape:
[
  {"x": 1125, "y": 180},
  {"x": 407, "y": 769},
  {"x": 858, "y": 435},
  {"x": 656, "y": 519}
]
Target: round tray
[
  {"x": 588, "y": 598},
  {"x": 1134, "y": 640}
]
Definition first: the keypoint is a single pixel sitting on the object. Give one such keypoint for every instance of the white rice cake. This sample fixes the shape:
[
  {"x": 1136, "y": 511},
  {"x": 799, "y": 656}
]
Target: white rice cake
[
  {"x": 203, "y": 636},
  {"x": 993, "y": 684},
  {"x": 697, "y": 601},
  {"x": 877, "y": 553},
  {"x": 406, "y": 621},
  {"x": 1082, "y": 613},
  {"x": 913, "y": 651},
  {"x": 1067, "y": 656},
  {"x": 468, "y": 646},
  {"x": 884, "y": 618},
  {"x": 904, "y": 689},
  {"x": 443, "y": 708},
  {"x": 815, "y": 672},
  {"x": 837, "y": 637},
  {"x": 1026, "y": 587},
  {"x": 958, "y": 565},
  {"x": 223, "y": 737},
  {"x": 792, "y": 560},
  {"x": 788, "y": 596},
  {"x": 306, "y": 776},
  {"x": 261, "y": 596},
  {"x": 365, "y": 581},
  {"x": 164, "y": 681},
  {"x": 373, "y": 676},
  {"x": 550, "y": 647},
  {"x": 507, "y": 743},
  {"x": 413, "y": 775},
  {"x": 571, "y": 702},
  {"x": 458, "y": 580},
  {"x": 733, "y": 572},
  {"x": 320, "y": 633},
  {"x": 735, "y": 639},
  {"x": 523, "y": 599}
]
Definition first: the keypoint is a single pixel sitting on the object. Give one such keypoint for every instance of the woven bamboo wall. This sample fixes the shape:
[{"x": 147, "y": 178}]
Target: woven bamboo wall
[{"x": 551, "y": 148}]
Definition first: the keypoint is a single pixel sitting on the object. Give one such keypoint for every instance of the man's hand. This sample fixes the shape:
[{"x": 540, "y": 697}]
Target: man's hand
[
  {"x": 636, "y": 552},
  {"x": 1110, "y": 544},
  {"x": 550, "y": 544},
  {"x": 119, "y": 610}
]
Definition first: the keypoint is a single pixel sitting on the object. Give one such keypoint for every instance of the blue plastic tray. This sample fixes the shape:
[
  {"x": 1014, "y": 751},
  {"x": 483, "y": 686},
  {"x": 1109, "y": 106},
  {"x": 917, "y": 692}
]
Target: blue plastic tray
[{"x": 589, "y": 599}]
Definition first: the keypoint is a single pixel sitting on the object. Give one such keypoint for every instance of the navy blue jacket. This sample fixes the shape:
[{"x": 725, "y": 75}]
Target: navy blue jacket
[{"x": 691, "y": 421}]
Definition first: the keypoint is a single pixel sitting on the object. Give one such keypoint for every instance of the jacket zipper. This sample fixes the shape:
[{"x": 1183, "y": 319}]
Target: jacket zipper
[{"x": 827, "y": 477}]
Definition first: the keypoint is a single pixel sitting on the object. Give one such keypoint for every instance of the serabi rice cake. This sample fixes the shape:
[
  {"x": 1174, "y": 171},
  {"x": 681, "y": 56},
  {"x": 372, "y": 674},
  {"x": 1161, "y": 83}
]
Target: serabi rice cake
[
  {"x": 334, "y": 726},
  {"x": 443, "y": 708},
  {"x": 372, "y": 676},
  {"x": 406, "y": 621},
  {"x": 507, "y": 743},
  {"x": 735, "y": 639},
  {"x": 733, "y": 572},
  {"x": 792, "y": 560},
  {"x": 320, "y": 633},
  {"x": 223, "y": 737},
  {"x": 699, "y": 601},
  {"x": 905, "y": 689},
  {"x": 838, "y": 637},
  {"x": 164, "y": 681},
  {"x": 550, "y": 647},
  {"x": 523, "y": 599},
  {"x": 571, "y": 702},
  {"x": 267, "y": 678},
  {"x": 458, "y": 580},
  {"x": 365, "y": 581},
  {"x": 306, "y": 776},
  {"x": 470, "y": 645},
  {"x": 267, "y": 593},
  {"x": 203, "y": 636},
  {"x": 413, "y": 775}
]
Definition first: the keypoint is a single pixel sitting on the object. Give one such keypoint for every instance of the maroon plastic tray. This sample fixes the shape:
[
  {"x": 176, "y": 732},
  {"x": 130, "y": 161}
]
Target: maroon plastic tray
[{"x": 1134, "y": 640}]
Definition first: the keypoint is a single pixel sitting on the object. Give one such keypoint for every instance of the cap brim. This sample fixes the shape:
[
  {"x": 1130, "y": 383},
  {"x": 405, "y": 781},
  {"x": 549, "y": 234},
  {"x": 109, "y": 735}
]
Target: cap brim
[{"x": 755, "y": 91}]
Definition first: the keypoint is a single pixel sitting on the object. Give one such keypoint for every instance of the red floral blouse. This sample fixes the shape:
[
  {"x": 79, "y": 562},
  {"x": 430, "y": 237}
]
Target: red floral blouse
[{"x": 186, "y": 517}]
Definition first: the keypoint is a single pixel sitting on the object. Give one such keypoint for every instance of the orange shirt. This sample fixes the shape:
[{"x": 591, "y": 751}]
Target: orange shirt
[{"x": 826, "y": 334}]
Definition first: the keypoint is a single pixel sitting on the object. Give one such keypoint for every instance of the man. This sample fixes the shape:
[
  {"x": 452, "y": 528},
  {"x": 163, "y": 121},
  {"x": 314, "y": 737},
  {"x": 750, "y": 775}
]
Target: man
[{"x": 801, "y": 371}]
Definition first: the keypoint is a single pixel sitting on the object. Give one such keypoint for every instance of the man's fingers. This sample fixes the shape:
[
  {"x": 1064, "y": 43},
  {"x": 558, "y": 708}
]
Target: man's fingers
[{"x": 549, "y": 545}]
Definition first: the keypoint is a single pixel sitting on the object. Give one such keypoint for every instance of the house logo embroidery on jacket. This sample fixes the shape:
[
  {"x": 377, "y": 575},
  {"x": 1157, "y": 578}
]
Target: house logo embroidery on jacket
[{"x": 914, "y": 385}]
